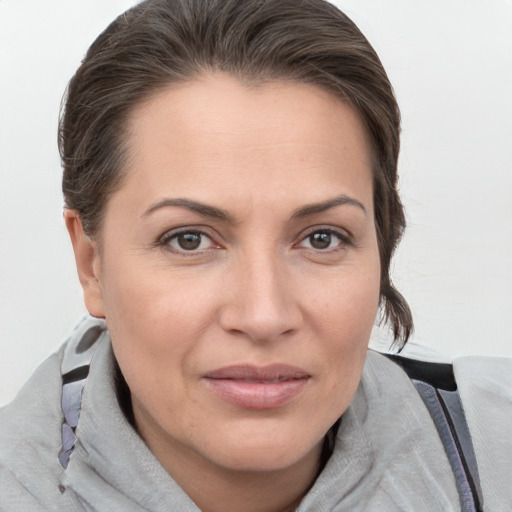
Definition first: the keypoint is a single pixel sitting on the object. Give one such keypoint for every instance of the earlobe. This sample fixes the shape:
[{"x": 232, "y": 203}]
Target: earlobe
[{"x": 87, "y": 263}]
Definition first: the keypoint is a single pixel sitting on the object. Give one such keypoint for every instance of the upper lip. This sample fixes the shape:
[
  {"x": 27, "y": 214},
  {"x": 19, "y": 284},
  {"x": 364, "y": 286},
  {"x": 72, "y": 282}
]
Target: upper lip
[{"x": 272, "y": 372}]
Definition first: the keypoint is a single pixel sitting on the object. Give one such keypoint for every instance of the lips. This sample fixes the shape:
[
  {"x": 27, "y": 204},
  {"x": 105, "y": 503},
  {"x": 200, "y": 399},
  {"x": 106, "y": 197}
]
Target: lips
[{"x": 251, "y": 387}]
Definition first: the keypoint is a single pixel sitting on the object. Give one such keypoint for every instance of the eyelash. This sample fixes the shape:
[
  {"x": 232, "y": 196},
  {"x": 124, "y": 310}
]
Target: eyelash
[
  {"x": 165, "y": 240},
  {"x": 345, "y": 240}
]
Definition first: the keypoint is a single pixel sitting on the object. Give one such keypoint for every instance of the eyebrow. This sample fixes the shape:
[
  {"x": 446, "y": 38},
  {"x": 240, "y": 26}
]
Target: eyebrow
[
  {"x": 312, "y": 209},
  {"x": 195, "y": 206},
  {"x": 218, "y": 213}
]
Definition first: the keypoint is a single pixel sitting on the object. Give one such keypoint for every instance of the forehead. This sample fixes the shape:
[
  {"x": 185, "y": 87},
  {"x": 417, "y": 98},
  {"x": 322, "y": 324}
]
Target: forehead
[{"x": 215, "y": 133}]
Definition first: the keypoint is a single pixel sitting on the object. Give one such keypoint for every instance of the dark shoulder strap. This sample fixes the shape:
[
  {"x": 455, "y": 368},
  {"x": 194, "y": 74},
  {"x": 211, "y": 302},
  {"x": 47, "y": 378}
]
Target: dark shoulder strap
[
  {"x": 438, "y": 375},
  {"x": 436, "y": 386}
]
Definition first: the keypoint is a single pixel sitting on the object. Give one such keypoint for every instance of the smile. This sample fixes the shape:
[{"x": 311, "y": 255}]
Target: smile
[{"x": 252, "y": 387}]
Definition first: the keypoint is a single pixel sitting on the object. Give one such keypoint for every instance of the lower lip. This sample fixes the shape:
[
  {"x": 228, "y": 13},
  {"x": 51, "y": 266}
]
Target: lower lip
[{"x": 257, "y": 395}]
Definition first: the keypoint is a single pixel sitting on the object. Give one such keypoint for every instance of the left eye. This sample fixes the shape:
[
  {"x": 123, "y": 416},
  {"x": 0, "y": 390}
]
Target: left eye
[
  {"x": 323, "y": 239},
  {"x": 188, "y": 241}
]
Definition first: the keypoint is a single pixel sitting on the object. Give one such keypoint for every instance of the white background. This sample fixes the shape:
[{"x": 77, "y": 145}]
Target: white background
[{"x": 451, "y": 64}]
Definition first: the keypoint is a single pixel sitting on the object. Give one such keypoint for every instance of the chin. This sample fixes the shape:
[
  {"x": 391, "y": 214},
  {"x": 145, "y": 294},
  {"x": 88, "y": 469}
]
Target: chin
[
  {"x": 264, "y": 450},
  {"x": 261, "y": 460}
]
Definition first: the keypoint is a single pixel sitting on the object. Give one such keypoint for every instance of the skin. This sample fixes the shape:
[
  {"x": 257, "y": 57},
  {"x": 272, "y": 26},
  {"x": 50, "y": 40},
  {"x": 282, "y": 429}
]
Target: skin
[{"x": 257, "y": 290}]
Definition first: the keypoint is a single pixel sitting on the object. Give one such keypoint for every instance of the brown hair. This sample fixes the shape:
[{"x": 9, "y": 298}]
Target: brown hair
[{"x": 160, "y": 42}]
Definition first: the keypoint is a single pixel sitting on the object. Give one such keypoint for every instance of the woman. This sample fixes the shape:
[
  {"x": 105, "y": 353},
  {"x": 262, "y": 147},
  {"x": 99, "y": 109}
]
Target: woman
[{"x": 230, "y": 187}]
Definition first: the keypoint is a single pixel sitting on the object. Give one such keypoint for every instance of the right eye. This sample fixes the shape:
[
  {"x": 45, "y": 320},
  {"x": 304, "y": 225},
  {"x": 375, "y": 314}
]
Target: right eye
[{"x": 188, "y": 241}]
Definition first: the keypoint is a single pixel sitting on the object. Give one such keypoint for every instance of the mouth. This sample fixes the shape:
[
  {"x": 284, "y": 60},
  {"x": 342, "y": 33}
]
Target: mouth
[{"x": 251, "y": 387}]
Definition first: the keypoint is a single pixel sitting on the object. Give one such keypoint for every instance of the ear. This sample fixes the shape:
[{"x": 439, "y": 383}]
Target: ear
[{"x": 87, "y": 259}]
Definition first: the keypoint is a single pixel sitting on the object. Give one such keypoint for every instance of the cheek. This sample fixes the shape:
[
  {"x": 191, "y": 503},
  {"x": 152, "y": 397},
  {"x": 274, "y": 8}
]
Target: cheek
[
  {"x": 345, "y": 303},
  {"x": 141, "y": 297},
  {"x": 345, "y": 315},
  {"x": 154, "y": 327},
  {"x": 155, "y": 319},
  {"x": 158, "y": 319}
]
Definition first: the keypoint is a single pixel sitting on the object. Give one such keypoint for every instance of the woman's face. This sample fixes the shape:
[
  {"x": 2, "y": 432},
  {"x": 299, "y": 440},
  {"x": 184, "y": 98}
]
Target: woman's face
[{"x": 239, "y": 271}]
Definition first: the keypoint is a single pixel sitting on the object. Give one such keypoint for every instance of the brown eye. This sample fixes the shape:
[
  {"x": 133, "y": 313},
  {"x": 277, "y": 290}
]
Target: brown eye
[
  {"x": 324, "y": 240},
  {"x": 188, "y": 241},
  {"x": 320, "y": 240}
]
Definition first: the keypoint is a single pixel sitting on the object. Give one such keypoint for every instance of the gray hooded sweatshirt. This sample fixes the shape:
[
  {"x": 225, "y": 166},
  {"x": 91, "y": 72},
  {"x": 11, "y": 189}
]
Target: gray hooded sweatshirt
[{"x": 387, "y": 457}]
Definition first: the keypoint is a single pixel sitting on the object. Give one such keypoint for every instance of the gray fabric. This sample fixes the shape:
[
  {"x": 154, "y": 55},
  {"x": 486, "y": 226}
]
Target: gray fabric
[
  {"x": 77, "y": 354},
  {"x": 111, "y": 468},
  {"x": 433, "y": 403},
  {"x": 485, "y": 387},
  {"x": 388, "y": 456},
  {"x": 455, "y": 410},
  {"x": 30, "y": 439}
]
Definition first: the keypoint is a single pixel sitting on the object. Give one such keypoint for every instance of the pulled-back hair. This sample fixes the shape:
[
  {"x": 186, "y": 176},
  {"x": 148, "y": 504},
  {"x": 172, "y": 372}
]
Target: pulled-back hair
[{"x": 162, "y": 42}]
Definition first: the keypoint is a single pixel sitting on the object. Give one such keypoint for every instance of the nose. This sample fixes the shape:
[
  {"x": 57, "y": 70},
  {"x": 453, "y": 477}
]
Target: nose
[{"x": 262, "y": 301}]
